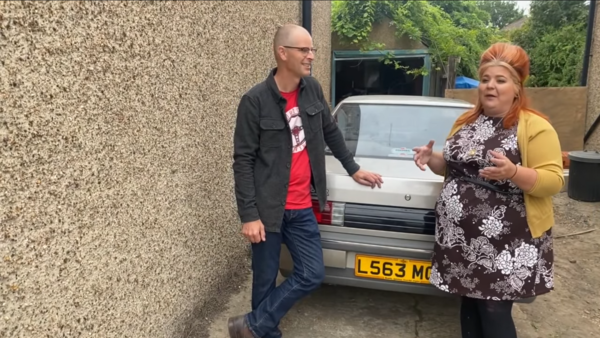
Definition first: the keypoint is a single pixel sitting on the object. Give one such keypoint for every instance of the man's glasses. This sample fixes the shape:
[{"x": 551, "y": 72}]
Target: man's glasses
[{"x": 304, "y": 50}]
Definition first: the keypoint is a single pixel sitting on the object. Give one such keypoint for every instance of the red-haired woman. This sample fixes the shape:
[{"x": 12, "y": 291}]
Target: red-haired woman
[{"x": 502, "y": 164}]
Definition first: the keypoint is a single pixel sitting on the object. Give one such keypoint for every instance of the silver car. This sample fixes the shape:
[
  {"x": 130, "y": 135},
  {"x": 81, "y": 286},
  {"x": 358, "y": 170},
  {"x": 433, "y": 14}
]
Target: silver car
[{"x": 383, "y": 238}]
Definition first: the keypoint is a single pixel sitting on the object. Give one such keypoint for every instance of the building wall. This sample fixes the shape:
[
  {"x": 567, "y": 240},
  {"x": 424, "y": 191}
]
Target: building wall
[
  {"x": 593, "y": 97},
  {"x": 116, "y": 192},
  {"x": 382, "y": 32},
  {"x": 321, "y": 32}
]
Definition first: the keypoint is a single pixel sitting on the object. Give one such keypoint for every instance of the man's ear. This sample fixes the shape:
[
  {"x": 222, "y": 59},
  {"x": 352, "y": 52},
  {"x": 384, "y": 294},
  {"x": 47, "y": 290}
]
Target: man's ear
[{"x": 282, "y": 53}]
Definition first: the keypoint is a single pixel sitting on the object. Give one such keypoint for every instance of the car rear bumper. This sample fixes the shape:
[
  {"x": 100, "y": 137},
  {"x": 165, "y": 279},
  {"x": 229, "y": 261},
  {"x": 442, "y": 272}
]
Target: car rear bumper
[{"x": 341, "y": 245}]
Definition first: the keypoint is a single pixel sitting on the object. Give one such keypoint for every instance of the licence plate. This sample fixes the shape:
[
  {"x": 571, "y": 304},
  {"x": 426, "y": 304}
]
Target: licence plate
[{"x": 394, "y": 269}]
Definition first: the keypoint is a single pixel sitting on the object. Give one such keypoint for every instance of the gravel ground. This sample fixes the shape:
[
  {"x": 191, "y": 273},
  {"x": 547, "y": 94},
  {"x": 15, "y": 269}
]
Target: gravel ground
[{"x": 572, "y": 310}]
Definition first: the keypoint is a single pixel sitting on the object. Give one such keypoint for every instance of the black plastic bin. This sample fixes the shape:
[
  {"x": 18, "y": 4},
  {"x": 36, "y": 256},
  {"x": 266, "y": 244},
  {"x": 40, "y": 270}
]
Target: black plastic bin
[{"x": 584, "y": 176}]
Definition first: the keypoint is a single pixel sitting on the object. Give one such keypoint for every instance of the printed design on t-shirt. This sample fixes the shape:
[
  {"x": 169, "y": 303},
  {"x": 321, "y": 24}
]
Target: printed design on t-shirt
[{"x": 295, "y": 122}]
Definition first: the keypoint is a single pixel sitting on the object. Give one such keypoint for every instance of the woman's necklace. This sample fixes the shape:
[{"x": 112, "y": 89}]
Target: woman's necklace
[{"x": 500, "y": 121}]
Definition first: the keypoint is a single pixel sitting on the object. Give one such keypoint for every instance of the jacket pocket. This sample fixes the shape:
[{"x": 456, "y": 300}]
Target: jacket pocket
[
  {"x": 314, "y": 112},
  {"x": 272, "y": 133}
]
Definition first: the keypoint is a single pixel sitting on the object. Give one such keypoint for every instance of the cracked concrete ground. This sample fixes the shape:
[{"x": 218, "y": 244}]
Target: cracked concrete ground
[{"x": 336, "y": 312}]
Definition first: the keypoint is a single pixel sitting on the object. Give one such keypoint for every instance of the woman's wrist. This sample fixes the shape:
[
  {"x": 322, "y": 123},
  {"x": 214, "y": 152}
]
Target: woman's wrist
[
  {"x": 525, "y": 178},
  {"x": 515, "y": 172},
  {"x": 437, "y": 163}
]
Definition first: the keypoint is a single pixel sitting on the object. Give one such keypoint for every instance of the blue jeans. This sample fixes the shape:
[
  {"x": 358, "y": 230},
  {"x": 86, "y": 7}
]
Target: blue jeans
[{"x": 300, "y": 233}]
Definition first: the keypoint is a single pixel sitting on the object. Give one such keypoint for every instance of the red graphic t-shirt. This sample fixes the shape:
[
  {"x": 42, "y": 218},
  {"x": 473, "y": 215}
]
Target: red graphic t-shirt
[{"x": 299, "y": 189}]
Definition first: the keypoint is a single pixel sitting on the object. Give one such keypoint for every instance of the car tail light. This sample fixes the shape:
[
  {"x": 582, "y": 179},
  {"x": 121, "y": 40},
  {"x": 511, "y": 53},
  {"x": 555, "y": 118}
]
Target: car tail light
[{"x": 332, "y": 214}]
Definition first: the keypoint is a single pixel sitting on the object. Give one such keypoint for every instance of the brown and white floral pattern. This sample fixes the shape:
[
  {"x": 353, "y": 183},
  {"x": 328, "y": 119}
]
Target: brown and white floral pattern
[{"x": 483, "y": 245}]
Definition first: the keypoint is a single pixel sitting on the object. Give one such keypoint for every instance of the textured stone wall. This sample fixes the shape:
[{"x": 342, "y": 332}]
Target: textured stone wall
[
  {"x": 593, "y": 101},
  {"x": 321, "y": 32},
  {"x": 116, "y": 191}
]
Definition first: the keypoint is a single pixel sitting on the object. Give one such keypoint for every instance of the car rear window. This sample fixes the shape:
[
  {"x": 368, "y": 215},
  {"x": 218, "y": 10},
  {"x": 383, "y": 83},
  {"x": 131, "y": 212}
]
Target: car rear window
[{"x": 391, "y": 131}]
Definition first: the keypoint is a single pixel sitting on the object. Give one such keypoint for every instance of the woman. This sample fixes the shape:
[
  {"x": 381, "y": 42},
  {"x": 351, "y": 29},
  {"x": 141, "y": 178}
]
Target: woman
[{"x": 502, "y": 164}]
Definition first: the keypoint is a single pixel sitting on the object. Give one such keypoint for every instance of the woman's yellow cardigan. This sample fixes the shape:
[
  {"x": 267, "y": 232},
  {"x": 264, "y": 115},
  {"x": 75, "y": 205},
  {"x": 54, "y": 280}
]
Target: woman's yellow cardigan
[{"x": 540, "y": 150}]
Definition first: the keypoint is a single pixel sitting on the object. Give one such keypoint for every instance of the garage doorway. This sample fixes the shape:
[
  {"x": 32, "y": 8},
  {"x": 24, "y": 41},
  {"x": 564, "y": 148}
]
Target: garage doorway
[{"x": 362, "y": 73}]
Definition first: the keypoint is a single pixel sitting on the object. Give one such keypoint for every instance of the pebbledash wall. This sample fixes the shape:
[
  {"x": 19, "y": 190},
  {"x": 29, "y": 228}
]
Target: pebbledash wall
[
  {"x": 593, "y": 97},
  {"x": 116, "y": 191}
]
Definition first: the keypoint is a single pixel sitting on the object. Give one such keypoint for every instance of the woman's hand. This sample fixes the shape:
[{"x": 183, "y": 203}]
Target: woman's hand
[
  {"x": 504, "y": 168},
  {"x": 423, "y": 155}
]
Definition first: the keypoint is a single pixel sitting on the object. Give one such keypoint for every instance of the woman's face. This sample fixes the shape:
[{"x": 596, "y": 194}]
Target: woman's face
[{"x": 497, "y": 90}]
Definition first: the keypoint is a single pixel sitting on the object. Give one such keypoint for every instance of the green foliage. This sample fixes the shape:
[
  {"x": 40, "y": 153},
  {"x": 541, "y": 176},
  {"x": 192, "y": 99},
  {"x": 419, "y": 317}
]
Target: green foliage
[
  {"x": 448, "y": 28},
  {"x": 563, "y": 67},
  {"x": 502, "y": 13},
  {"x": 554, "y": 34},
  {"x": 554, "y": 37},
  {"x": 553, "y": 15},
  {"x": 353, "y": 20},
  {"x": 474, "y": 33},
  {"x": 465, "y": 14}
]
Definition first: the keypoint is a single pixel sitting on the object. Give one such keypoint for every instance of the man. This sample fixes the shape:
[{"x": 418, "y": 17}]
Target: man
[{"x": 283, "y": 124}]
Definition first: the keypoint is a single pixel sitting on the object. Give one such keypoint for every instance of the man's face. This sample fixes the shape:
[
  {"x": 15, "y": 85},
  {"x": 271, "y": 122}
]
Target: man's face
[{"x": 299, "y": 54}]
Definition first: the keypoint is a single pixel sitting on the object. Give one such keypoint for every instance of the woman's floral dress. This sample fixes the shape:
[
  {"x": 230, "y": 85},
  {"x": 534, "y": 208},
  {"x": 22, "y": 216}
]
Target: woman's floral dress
[{"x": 483, "y": 245}]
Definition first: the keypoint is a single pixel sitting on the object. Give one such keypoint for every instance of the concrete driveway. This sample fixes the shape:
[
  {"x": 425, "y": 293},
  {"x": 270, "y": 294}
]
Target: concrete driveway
[
  {"x": 572, "y": 310},
  {"x": 334, "y": 312}
]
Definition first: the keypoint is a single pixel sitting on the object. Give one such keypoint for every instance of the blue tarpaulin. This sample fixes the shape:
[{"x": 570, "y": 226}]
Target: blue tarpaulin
[{"x": 465, "y": 82}]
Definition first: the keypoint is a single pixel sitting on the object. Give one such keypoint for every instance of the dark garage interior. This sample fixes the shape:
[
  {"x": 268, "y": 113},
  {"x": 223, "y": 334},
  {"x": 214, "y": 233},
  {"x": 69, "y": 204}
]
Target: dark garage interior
[{"x": 374, "y": 77}]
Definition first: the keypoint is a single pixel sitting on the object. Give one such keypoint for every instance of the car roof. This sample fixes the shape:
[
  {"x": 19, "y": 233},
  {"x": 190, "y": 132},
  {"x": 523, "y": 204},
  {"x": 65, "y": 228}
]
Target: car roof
[{"x": 408, "y": 100}]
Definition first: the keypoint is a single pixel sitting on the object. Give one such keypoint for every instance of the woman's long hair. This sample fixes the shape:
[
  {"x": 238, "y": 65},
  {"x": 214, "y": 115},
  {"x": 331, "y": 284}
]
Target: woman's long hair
[{"x": 516, "y": 61}]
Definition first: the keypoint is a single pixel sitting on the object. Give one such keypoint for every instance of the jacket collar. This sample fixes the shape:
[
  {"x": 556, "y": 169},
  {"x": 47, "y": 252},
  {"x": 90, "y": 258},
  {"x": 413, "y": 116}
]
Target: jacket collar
[{"x": 273, "y": 85}]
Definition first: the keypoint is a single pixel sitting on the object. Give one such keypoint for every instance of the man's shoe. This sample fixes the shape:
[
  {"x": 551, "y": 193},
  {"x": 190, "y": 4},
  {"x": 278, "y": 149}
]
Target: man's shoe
[{"x": 238, "y": 328}]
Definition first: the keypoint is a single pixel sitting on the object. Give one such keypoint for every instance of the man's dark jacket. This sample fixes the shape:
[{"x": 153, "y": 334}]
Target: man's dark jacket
[{"x": 263, "y": 149}]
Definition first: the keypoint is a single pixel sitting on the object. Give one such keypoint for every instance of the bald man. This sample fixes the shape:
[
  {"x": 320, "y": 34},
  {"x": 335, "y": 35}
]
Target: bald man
[{"x": 283, "y": 125}]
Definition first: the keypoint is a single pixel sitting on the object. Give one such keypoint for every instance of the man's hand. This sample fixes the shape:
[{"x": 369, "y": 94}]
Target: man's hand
[
  {"x": 368, "y": 178},
  {"x": 504, "y": 168},
  {"x": 254, "y": 231}
]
